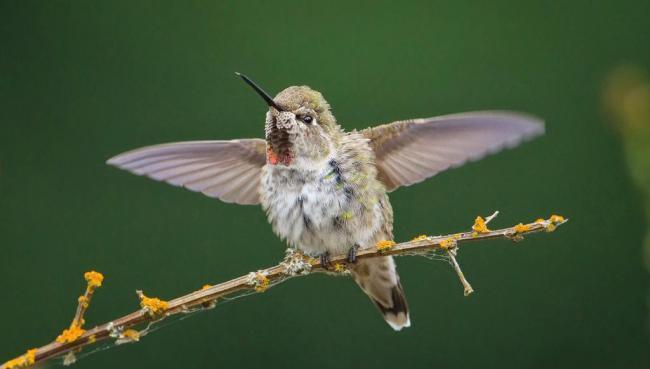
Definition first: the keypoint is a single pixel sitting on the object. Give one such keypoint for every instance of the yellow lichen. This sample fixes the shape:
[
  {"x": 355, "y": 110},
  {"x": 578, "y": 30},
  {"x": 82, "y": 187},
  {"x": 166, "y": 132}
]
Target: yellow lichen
[
  {"x": 480, "y": 226},
  {"x": 339, "y": 268},
  {"x": 22, "y": 361},
  {"x": 554, "y": 220},
  {"x": 71, "y": 334},
  {"x": 92, "y": 338},
  {"x": 84, "y": 301},
  {"x": 132, "y": 335},
  {"x": 521, "y": 228},
  {"x": 153, "y": 305},
  {"x": 421, "y": 237},
  {"x": 447, "y": 243},
  {"x": 261, "y": 282},
  {"x": 540, "y": 220},
  {"x": 18, "y": 362},
  {"x": 31, "y": 356},
  {"x": 210, "y": 303},
  {"x": 384, "y": 245},
  {"x": 94, "y": 279}
]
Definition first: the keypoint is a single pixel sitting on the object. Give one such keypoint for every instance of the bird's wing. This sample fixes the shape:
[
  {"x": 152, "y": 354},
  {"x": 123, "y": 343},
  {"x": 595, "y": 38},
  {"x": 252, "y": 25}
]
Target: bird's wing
[
  {"x": 228, "y": 170},
  {"x": 410, "y": 151}
]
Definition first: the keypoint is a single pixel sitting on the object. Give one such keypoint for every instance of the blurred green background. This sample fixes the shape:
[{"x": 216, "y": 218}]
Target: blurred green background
[{"x": 81, "y": 81}]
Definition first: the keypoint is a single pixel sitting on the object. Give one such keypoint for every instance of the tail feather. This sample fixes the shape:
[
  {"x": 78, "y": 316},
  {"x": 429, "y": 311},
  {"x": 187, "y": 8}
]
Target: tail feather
[
  {"x": 397, "y": 316},
  {"x": 380, "y": 281}
]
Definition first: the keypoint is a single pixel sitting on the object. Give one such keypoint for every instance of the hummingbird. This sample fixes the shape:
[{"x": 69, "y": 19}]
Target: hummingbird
[{"x": 325, "y": 190}]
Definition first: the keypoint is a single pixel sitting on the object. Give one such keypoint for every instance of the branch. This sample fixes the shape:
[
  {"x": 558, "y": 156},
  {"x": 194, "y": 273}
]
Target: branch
[{"x": 294, "y": 264}]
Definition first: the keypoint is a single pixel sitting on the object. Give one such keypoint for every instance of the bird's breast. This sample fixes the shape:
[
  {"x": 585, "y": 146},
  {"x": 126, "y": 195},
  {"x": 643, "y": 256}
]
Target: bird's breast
[{"x": 319, "y": 210}]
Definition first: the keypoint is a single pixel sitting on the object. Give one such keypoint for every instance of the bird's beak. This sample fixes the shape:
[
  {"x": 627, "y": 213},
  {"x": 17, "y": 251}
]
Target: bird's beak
[{"x": 262, "y": 93}]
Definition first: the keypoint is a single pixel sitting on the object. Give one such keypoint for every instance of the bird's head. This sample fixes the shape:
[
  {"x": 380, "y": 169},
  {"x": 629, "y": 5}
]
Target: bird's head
[{"x": 300, "y": 128}]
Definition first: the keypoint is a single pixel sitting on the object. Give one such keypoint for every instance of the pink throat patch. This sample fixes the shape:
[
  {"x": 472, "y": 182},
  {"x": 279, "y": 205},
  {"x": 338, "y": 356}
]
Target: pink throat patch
[{"x": 275, "y": 159}]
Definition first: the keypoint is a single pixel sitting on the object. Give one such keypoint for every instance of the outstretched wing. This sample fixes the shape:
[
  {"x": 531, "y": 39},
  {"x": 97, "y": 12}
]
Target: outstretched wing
[
  {"x": 410, "y": 151},
  {"x": 228, "y": 170}
]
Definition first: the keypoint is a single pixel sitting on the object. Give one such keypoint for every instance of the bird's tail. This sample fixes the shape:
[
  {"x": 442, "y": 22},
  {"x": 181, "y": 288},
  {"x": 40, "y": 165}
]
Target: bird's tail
[{"x": 378, "y": 278}]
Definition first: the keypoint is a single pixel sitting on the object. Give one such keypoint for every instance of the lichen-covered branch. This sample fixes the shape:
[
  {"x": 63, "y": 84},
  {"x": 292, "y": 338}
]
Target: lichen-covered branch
[{"x": 123, "y": 329}]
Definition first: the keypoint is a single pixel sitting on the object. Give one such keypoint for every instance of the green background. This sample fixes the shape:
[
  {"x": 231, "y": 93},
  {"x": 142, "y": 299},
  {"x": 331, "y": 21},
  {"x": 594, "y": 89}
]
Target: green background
[{"x": 82, "y": 81}]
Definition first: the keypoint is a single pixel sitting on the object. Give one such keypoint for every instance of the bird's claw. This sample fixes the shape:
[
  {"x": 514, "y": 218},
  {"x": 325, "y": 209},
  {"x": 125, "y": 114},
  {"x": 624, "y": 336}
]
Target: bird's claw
[
  {"x": 352, "y": 254},
  {"x": 325, "y": 260}
]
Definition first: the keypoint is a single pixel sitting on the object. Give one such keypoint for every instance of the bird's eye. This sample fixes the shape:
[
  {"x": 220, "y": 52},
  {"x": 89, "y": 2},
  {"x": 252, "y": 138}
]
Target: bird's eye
[{"x": 306, "y": 118}]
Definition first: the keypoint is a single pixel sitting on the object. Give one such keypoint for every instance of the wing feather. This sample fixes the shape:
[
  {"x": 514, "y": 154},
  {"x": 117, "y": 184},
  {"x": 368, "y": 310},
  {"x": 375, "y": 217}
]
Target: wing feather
[
  {"x": 408, "y": 152},
  {"x": 228, "y": 170}
]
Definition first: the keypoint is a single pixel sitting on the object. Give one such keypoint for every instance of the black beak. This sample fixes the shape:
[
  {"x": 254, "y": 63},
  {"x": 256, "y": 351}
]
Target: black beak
[{"x": 262, "y": 93}]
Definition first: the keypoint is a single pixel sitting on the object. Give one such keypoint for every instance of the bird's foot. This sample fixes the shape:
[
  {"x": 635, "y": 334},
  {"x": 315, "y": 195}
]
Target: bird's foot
[
  {"x": 325, "y": 260},
  {"x": 352, "y": 254}
]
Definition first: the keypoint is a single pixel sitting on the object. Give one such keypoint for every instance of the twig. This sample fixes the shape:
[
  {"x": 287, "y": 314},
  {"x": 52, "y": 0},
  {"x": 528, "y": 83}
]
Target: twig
[
  {"x": 467, "y": 288},
  {"x": 294, "y": 264},
  {"x": 93, "y": 280}
]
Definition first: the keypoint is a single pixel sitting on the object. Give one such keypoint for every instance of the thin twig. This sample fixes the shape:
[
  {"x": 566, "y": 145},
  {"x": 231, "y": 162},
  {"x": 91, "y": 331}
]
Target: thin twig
[
  {"x": 467, "y": 288},
  {"x": 489, "y": 219},
  {"x": 295, "y": 264}
]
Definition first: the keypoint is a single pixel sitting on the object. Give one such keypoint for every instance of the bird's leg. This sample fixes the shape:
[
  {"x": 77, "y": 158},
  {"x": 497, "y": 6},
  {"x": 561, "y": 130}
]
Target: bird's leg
[
  {"x": 352, "y": 254},
  {"x": 325, "y": 260}
]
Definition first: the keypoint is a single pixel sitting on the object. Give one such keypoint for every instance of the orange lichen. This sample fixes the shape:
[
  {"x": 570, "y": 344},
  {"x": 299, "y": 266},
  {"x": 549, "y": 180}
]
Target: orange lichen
[
  {"x": 422, "y": 237},
  {"x": 261, "y": 282},
  {"x": 18, "y": 362},
  {"x": 132, "y": 335},
  {"x": 209, "y": 303},
  {"x": 84, "y": 301},
  {"x": 22, "y": 361},
  {"x": 521, "y": 228},
  {"x": 384, "y": 245},
  {"x": 94, "y": 279},
  {"x": 480, "y": 226},
  {"x": 71, "y": 334},
  {"x": 153, "y": 305},
  {"x": 553, "y": 221},
  {"x": 447, "y": 243},
  {"x": 31, "y": 356}
]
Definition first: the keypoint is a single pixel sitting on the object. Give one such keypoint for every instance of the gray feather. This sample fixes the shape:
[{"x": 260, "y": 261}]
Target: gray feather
[
  {"x": 378, "y": 278},
  {"x": 408, "y": 152},
  {"x": 228, "y": 170}
]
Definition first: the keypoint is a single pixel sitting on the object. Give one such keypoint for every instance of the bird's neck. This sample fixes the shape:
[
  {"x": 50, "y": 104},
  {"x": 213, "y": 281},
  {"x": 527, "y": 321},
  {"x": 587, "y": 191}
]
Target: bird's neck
[{"x": 287, "y": 159}]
